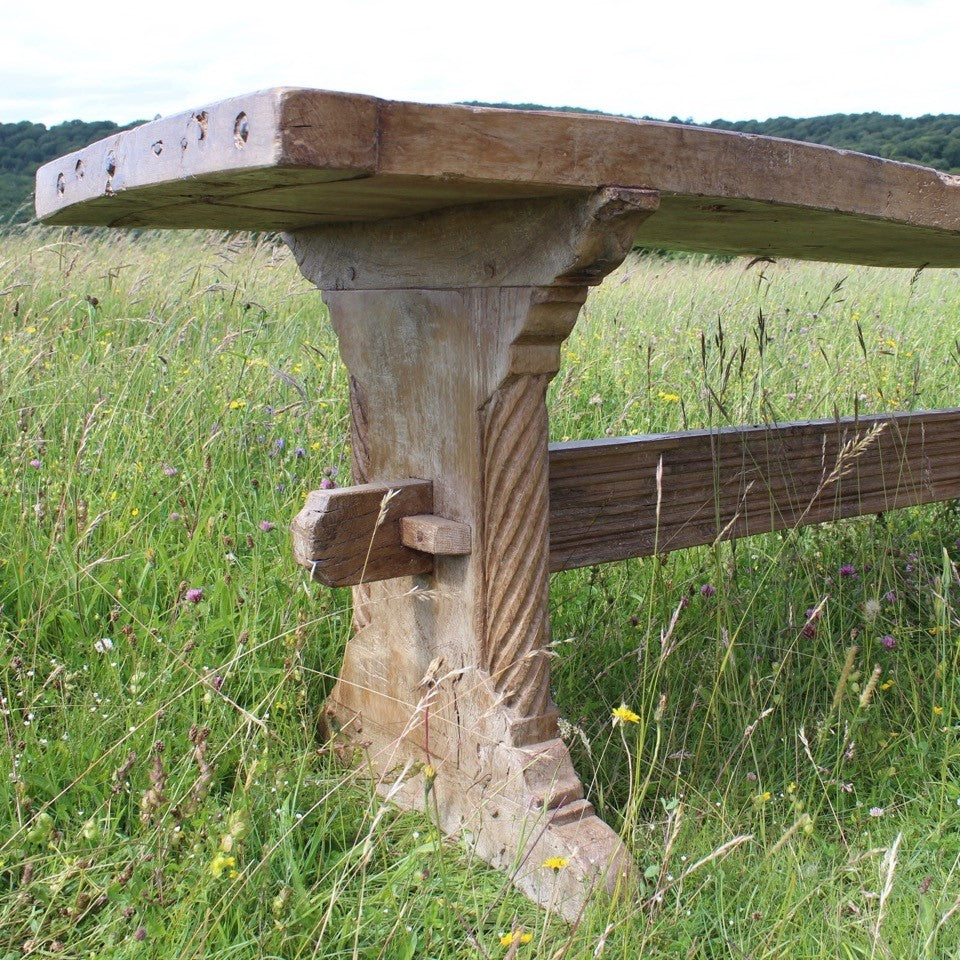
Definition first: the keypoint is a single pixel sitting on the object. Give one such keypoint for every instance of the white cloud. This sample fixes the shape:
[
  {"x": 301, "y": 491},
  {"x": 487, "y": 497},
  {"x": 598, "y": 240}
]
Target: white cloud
[{"x": 705, "y": 60}]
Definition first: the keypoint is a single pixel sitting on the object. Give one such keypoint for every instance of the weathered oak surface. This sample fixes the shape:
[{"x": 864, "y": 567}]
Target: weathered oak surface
[
  {"x": 284, "y": 159},
  {"x": 606, "y": 502},
  {"x": 351, "y": 535}
]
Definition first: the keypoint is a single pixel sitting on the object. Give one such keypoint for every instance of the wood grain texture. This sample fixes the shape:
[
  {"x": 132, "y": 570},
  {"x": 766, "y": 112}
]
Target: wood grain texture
[
  {"x": 605, "y": 503},
  {"x": 435, "y": 535},
  {"x": 515, "y": 523},
  {"x": 448, "y": 375},
  {"x": 351, "y": 535},
  {"x": 301, "y": 158}
]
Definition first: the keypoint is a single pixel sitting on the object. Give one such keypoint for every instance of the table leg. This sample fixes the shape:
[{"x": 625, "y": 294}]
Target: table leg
[{"x": 446, "y": 681}]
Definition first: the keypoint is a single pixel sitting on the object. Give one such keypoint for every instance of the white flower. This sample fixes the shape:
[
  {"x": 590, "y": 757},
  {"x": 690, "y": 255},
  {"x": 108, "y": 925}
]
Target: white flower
[
  {"x": 877, "y": 811},
  {"x": 103, "y": 645}
]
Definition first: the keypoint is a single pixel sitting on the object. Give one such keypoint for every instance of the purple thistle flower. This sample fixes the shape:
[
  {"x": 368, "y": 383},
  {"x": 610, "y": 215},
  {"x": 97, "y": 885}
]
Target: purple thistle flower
[
  {"x": 888, "y": 641},
  {"x": 194, "y": 595},
  {"x": 170, "y": 471},
  {"x": 279, "y": 444},
  {"x": 36, "y": 464},
  {"x": 266, "y": 526},
  {"x": 327, "y": 484},
  {"x": 890, "y": 596},
  {"x": 708, "y": 590},
  {"x": 299, "y": 453},
  {"x": 848, "y": 570},
  {"x": 174, "y": 515}
]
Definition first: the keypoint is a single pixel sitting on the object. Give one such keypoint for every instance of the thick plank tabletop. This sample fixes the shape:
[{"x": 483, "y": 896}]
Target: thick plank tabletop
[{"x": 286, "y": 158}]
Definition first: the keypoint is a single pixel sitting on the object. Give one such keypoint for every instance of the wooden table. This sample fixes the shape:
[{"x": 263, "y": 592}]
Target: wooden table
[{"x": 454, "y": 247}]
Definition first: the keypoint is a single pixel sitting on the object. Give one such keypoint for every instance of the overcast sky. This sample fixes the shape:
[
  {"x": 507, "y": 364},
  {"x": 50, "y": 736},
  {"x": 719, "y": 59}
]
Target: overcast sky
[{"x": 736, "y": 60}]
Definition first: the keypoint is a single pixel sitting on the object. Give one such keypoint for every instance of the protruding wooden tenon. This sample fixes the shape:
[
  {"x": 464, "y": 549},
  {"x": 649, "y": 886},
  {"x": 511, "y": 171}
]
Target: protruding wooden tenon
[{"x": 373, "y": 531}]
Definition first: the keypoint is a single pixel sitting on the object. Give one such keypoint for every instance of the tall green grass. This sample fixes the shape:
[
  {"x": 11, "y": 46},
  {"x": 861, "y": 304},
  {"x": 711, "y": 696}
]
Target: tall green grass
[{"x": 168, "y": 400}]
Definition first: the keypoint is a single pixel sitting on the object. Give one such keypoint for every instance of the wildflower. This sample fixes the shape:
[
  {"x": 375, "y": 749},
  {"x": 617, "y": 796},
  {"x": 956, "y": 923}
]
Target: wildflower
[
  {"x": 266, "y": 526},
  {"x": 35, "y": 463},
  {"x": 103, "y": 645},
  {"x": 708, "y": 590},
  {"x": 237, "y": 404},
  {"x": 669, "y": 397},
  {"x": 327, "y": 484},
  {"x": 848, "y": 570},
  {"x": 170, "y": 471},
  {"x": 937, "y": 711},
  {"x": 871, "y": 608},
  {"x": 887, "y": 684},
  {"x": 194, "y": 595},
  {"x": 890, "y": 596},
  {"x": 810, "y": 627},
  {"x": 299, "y": 453},
  {"x": 140, "y": 933},
  {"x": 174, "y": 516},
  {"x": 623, "y": 714},
  {"x": 555, "y": 863},
  {"x": 221, "y": 862},
  {"x": 508, "y": 939},
  {"x": 135, "y": 512},
  {"x": 877, "y": 812},
  {"x": 279, "y": 444},
  {"x": 888, "y": 641}
]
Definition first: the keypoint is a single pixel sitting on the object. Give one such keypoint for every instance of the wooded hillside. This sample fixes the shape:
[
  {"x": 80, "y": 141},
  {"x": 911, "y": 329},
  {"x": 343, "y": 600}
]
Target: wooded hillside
[{"x": 25, "y": 146}]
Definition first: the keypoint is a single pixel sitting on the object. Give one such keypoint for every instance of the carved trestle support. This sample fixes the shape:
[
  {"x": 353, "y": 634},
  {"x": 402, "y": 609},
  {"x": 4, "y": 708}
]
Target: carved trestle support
[{"x": 450, "y": 326}]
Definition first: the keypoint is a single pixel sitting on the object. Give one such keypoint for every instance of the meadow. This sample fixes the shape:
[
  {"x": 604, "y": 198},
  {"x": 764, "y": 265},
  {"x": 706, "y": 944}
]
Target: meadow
[{"x": 791, "y": 787}]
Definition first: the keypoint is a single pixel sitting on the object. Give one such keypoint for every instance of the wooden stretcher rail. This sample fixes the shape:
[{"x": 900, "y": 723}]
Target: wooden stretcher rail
[
  {"x": 633, "y": 497},
  {"x": 606, "y": 502}
]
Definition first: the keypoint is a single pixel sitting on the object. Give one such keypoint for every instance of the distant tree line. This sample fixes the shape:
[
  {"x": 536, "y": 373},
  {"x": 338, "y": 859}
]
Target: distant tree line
[
  {"x": 25, "y": 146},
  {"x": 932, "y": 141}
]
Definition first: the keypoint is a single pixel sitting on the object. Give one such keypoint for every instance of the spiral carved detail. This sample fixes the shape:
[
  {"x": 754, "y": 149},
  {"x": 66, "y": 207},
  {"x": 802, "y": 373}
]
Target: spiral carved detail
[{"x": 515, "y": 537}]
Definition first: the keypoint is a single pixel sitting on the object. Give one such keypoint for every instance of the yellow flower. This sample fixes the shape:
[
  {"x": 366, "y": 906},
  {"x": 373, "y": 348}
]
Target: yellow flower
[
  {"x": 135, "y": 512},
  {"x": 555, "y": 863},
  {"x": 623, "y": 714},
  {"x": 886, "y": 685},
  {"x": 668, "y": 397},
  {"x": 236, "y": 404},
  {"x": 221, "y": 862},
  {"x": 508, "y": 938},
  {"x": 937, "y": 711}
]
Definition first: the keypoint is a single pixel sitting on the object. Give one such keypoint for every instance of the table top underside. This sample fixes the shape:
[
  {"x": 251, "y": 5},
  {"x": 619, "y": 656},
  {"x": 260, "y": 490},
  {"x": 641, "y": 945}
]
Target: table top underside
[{"x": 288, "y": 159}]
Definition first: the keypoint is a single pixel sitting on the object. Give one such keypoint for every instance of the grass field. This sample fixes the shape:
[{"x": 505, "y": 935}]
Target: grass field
[{"x": 167, "y": 401}]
